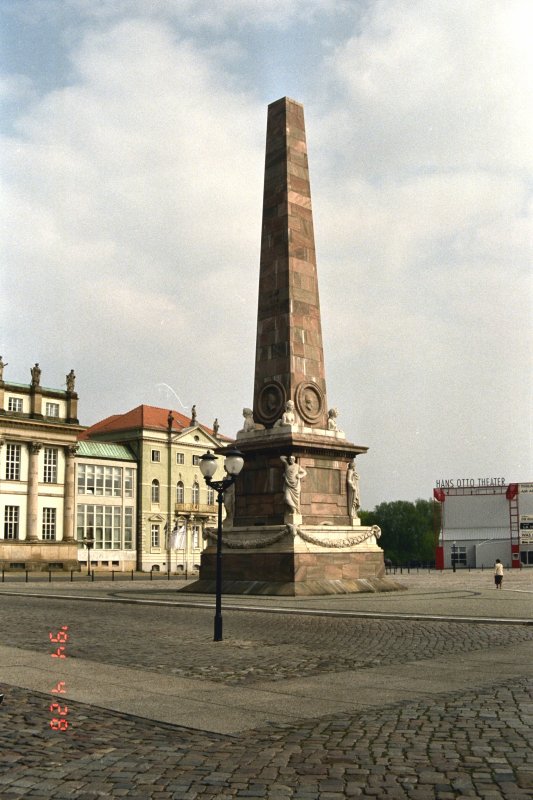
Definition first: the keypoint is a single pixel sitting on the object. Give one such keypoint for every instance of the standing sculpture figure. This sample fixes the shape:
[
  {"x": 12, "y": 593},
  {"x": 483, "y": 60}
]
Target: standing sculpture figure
[
  {"x": 229, "y": 505},
  {"x": 216, "y": 426},
  {"x": 2, "y": 365},
  {"x": 35, "y": 375},
  {"x": 71, "y": 379},
  {"x": 193, "y": 416},
  {"x": 292, "y": 480},
  {"x": 352, "y": 485}
]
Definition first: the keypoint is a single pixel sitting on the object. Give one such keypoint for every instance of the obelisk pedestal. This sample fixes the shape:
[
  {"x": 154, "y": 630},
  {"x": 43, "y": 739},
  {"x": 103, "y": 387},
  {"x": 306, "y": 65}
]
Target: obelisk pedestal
[{"x": 295, "y": 529}]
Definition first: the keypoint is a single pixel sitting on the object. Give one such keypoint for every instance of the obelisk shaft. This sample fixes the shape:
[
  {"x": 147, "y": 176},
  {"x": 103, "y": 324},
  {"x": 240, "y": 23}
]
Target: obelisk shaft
[{"x": 289, "y": 356}]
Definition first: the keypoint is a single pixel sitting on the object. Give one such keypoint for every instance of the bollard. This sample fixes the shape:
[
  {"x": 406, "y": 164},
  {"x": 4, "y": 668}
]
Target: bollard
[
  {"x": 112, "y": 574},
  {"x": 132, "y": 574},
  {"x": 71, "y": 575},
  {"x": 2, "y": 576},
  {"x": 26, "y": 576},
  {"x": 92, "y": 576},
  {"x": 49, "y": 576},
  {"x": 168, "y": 574},
  {"x": 151, "y": 574}
]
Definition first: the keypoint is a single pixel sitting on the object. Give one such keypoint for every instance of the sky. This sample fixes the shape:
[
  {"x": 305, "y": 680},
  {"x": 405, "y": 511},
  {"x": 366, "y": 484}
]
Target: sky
[{"x": 132, "y": 160}]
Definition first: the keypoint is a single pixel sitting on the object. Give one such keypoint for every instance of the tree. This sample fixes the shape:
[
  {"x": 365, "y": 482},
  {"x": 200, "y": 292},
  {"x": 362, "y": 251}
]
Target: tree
[{"x": 407, "y": 529}]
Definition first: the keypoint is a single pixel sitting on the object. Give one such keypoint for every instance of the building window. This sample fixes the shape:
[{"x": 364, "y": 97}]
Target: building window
[
  {"x": 86, "y": 479},
  {"x": 196, "y": 461},
  {"x": 458, "y": 555},
  {"x": 49, "y": 524},
  {"x": 155, "y": 491},
  {"x": 52, "y": 410},
  {"x": 50, "y": 465},
  {"x": 128, "y": 528},
  {"x": 14, "y": 404},
  {"x": 195, "y": 494},
  {"x": 180, "y": 492},
  {"x": 11, "y": 522},
  {"x": 156, "y": 455},
  {"x": 103, "y": 524},
  {"x": 13, "y": 462},
  {"x": 211, "y": 496},
  {"x": 196, "y": 536},
  {"x": 128, "y": 482},
  {"x": 100, "y": 481},
  {"x": 155, "y": 534},
  {"x": 180, "y": 458}
]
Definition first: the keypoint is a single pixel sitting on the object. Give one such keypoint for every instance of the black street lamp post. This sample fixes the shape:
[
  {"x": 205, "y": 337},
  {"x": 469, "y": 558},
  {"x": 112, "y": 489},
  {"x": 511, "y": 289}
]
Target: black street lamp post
[
  {"x": 233, "y": 464},
  {"x": 88, "y": 542}
]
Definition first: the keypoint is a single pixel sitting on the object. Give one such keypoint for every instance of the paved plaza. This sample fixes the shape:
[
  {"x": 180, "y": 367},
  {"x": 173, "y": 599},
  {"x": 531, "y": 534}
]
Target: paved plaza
[{"x": 424, "y": 693}]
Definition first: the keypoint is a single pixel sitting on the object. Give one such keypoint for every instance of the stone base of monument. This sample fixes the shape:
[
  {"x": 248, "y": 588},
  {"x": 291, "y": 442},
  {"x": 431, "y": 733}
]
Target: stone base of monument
[{"x": 295, "y": 561}]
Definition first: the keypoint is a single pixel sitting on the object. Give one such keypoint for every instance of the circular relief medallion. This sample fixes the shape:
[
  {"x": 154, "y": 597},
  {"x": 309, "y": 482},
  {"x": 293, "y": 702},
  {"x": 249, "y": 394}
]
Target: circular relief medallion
[
  {"x": 271, "y": 402},
  {"x": 309, "y": 401}
]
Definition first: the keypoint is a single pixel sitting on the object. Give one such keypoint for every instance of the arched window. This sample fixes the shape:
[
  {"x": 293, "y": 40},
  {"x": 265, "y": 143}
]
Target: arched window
[
  {"x": 195, "y": 493},
  {"x": 180, "y": 492},
  {"x": 155, "y": 491},
  {"x": 211, "y": 497}
]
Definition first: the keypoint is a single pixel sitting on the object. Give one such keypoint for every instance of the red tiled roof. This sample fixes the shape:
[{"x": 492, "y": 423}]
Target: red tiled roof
[{"x": 143, "y": 417}]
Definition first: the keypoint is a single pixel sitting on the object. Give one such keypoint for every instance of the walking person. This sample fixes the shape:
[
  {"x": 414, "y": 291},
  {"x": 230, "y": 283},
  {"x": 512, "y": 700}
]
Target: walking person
[{"x": 498, "y": 573}]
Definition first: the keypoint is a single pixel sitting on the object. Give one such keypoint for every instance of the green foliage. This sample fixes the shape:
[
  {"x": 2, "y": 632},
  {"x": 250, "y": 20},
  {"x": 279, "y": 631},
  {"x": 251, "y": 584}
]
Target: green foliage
[{"x": 407, "y": 529}]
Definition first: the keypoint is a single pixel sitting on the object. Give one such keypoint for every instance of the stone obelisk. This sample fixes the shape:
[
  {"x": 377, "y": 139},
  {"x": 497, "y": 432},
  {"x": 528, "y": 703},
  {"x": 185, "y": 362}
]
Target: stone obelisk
[
  {"x": 292, "y": 526},
  {"x": 289, "y": 359}
]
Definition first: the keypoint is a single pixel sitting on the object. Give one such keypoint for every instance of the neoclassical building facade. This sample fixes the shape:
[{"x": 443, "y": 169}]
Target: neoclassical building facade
[
  {"x": 39, "y": 430},
  {"x": 130, "y": 485},
  {"x": 174, "y": 505}
]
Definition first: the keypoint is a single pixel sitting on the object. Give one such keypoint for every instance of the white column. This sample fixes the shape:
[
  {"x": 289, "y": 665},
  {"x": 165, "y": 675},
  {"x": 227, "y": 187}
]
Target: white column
[
  {"x": 68, "y": 507},
  {"x": 33, "y": 492}
]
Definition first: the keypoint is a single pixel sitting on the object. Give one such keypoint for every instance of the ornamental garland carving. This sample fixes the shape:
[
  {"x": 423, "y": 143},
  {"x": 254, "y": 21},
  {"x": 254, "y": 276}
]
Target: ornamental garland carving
[
  {"x": 348, "y": 542},
  {"x": 292, "y": 530},
  {"x": 245, "y": 544}
]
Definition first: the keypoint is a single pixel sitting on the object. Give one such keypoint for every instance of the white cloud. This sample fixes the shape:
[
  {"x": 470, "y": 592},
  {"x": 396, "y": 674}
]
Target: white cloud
[{"x": 132, "y": 201}]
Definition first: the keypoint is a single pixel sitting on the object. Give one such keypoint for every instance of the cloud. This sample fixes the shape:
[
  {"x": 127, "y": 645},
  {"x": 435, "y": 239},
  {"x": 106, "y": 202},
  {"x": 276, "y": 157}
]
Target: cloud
[{"x": 132, "y": 206}]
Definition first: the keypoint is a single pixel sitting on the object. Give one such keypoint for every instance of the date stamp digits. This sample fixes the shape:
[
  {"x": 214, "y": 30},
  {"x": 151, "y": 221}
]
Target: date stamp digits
[{"x": 59, "y": 721}]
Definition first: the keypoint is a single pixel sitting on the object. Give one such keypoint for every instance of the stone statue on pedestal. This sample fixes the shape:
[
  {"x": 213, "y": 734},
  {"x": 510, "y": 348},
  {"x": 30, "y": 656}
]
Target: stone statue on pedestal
[
  {"x": 352, "y": 486},
  {"x": 35, "y": 375},
  {"x": 292, "y": 479}
]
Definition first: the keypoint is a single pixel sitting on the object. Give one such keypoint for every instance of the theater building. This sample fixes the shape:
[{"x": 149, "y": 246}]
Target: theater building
[{"x": 484, "y": 519}]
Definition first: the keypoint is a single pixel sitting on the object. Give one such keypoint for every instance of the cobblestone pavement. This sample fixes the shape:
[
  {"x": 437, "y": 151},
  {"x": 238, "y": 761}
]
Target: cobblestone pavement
[
  {"x": 476, "y": 745},
  {"x": 470, "y": 744},
  {"x": 257, "y": 646}
]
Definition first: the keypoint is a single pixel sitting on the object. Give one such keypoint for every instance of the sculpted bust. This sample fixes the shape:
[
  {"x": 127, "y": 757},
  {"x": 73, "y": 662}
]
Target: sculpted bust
[
  {"x": 289, "y": 417},
  {"x": 248, "y": 415},
  {"x": 332, "y": 419}
]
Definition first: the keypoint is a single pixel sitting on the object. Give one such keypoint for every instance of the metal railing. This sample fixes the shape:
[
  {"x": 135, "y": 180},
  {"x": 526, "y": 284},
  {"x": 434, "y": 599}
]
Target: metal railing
[{"x": 76, "y": 576}]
